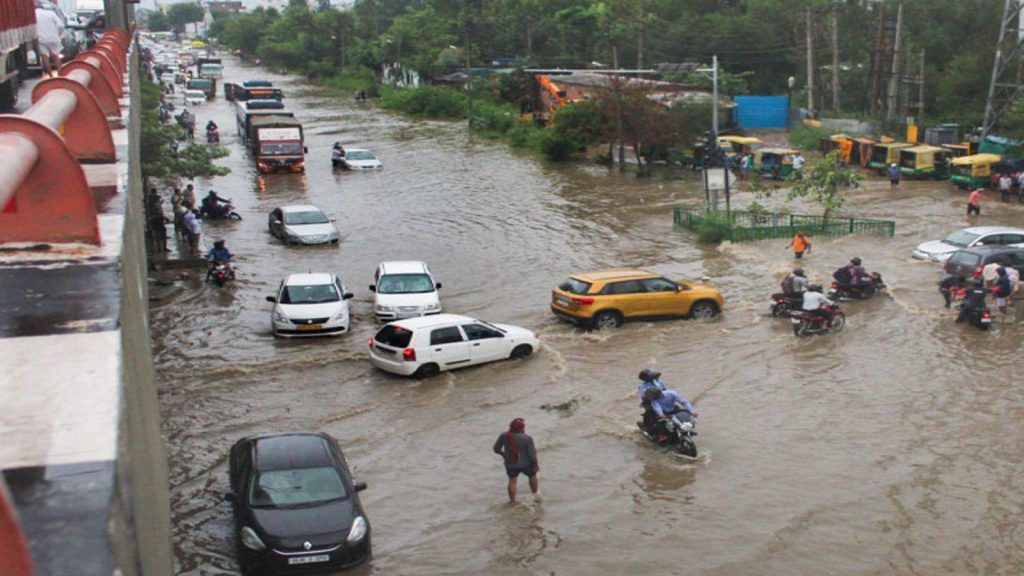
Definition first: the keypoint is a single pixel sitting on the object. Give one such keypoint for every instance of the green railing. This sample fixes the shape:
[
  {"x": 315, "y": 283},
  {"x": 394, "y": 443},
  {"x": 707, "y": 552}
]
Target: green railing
[{"x": 745, "y": 226}]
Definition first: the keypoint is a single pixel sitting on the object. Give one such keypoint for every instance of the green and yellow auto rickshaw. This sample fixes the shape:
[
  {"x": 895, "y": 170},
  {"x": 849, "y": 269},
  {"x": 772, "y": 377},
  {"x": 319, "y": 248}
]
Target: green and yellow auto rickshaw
[
  {"x": 973, "y": 171},
  {"x": 774, "y": 162},
  {"x": 957, "y": 150},
  {"x": 739, "y": 144},
  {"x": 885, "y": 153},
  {"x": 924, "y": 162}
]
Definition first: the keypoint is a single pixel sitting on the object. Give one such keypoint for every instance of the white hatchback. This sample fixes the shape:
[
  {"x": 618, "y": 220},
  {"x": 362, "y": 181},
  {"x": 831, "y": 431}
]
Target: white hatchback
[
  {"x": 422, "y": 347},
  {"x": 404, "y": 289},
  {"x": 310, "y": 305},
  {"x": 942, "y": 250}
]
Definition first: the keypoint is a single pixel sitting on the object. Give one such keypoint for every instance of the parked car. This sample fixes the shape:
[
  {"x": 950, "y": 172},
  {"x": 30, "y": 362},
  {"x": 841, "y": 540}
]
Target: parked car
[
  {"x": 970, "y": 262},
  {"x": 195, "y": 97},
  {"x": 607, "y": 298},
  {"x": 310, "y": 305},
  {"x": 422, "y": 347},
  {"x": 941, "y": 250},
  {"x": 360, "y": 159},
  {"x": 302, "y": 224},
  {"x": 404, "y": 289},
  {"x": 296, "y": 505}
]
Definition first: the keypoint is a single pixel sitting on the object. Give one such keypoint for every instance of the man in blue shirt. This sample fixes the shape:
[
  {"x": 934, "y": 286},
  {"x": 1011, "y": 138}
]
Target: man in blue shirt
[
  {"x": 649, "y": 380},
  {"x": 219, "y": 254},
  {"x": 664, "y": 404}
]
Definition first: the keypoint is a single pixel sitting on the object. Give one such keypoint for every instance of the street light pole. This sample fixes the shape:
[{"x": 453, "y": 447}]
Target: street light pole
[
  {"x": 789, "y": 99},
  {"x": 714, "y": 98}
]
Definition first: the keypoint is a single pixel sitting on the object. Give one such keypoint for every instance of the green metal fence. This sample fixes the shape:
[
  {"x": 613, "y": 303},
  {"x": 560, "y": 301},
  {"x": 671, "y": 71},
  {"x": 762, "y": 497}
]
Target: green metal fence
[{"x": 767, "y": 225}]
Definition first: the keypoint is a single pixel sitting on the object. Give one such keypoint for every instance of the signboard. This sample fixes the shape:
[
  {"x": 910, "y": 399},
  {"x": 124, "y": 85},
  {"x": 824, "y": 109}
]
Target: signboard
[
  {"x": 715, "y": 179},
  {"x": 278, "y": 134}
]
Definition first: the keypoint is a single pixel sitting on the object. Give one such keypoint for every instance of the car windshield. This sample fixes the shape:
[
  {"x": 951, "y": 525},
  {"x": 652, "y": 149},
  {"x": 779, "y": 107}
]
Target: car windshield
[
  {"x": 309, "y": 217},
  {"x": 313, "y": 294},
  {"x": 281, "y": 149},
  {"x": 962, "y": 238},
  {"x": 359, "y": 155},
  {"x": 489, "y": 325},
  {"x": 574, "y": 286},
  {"x": 405, "y": 284},
  {"x": 296, "y": 487}
]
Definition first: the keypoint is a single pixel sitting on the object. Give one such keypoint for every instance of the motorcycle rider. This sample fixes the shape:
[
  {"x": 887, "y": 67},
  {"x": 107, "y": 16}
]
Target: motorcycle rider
[
  {"x": 188, "y": 122},
  {"x": 973, "y": 299},
  {"x": 219, "y": 254},
  {"x": 649, "y": 380},
  {"x": 214, "y": 206},
  {"x": 664, "y": 404},
  {"x": 212, "y": 132},
  {"x": 814, "y": 300},
  {"x": 794, "y": 285}
]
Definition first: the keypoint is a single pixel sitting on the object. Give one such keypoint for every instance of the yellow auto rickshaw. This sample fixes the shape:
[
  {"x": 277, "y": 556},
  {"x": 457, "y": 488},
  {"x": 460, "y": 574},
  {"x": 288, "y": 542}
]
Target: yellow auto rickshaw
[
  {"x": 924, "y": 162},
  {"x": 973, "y": 171},
  {"x": 885, "y": 153},
  {"x": 775, "y": 162}
]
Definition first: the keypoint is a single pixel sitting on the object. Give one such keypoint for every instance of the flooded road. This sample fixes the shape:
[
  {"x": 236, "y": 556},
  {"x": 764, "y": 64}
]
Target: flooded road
[{"x": 891, "y": 448}]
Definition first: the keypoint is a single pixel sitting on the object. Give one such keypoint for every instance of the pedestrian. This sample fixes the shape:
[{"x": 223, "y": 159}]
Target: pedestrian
[
  {"x": 516, "y": 447},
  {"x": 1014, "y": 276},
  {"x": 800, "y": 243},
  {"x": 50, "y": 34},
  {"x": 1005, "y": 183},
  {"x": 1002, "y": 289},
  {"x": 798, "y": 162},
  {"x": 748, "y": 165},
  {"x": 974, "y": 202},
  {"x": 189, "y": 198},
  {"x": 193, "y": 231},
  {"x": 947, "y": 286},
  {"x": 1020, "y": 187},
  {"x": 894, "y": 175}
]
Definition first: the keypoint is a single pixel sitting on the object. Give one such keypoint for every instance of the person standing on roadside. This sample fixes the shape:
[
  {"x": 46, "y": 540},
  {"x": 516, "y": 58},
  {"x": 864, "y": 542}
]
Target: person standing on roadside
[
  {"x": 516, "y": 447},
  {"x": 1002, "y": 289},
  {"x": 189, "y": 198},
  {"x": 974, "y": 202},
  {"x": 50, "y": 32},
  {"x": 1005, "y": 183},
  {"x": 193, "y": 231},
  {"x": 800, "y": 243},
  {"x": 947, "y": 286},
  {"x": 894, "y": 175}
]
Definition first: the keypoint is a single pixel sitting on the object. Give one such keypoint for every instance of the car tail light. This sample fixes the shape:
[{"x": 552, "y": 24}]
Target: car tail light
[
  {"x": 583, "y": 301},
  {"x": 371, "y": 343},
  {"x": 979, "y": 271},
  {"x": 409, "y": 355}
]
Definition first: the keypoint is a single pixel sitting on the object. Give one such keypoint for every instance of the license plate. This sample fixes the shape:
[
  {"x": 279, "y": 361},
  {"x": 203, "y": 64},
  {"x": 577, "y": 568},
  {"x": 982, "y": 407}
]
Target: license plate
[
  {"x": 310, "y": 559},
  {"x": 561, "y": 300},
  {"x": 986, "y": 320},
  {"x": 308, "y": 327},
  {"x": 795, "y": 320}
]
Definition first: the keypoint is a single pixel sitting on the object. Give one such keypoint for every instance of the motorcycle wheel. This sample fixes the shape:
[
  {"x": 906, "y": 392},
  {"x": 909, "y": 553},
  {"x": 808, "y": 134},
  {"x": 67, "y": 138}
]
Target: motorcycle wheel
[
  {"x": 235, "y": 216},
  {"x": 219, "y": 281},
  {"x": 686, "y": 447},
  {"x": 837, "y": 323},
  {"x": 801, "y": 329},
  {"x": 778, "y": 309},
  {"x": 983, "y": 327}
]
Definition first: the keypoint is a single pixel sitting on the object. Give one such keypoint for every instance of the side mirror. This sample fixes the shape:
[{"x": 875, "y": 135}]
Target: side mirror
[
  {"x": 272, "y": 299},
  {"x": 348, "y": 296},
  {"x": 333, "y": 219},
  {"x": 359, "y": 486},
  {"x": 679, "y": 288},
  {"x": 372, "y": 288},
  {"x": 230, "y": 497},
  {"x": 438, "y": 285}
]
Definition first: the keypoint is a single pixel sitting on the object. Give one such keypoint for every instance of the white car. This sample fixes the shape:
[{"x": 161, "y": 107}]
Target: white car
[
  {"x": 422, "y": 347},
  {"x": 302, "y": 224},
  {"x": 195, "y": 97},
  {"x": 941, "y": 250},
  {"x": 360, "y": 159},
  {"x": 404, "y": 290},
  {"x": 310, "y": 305}
]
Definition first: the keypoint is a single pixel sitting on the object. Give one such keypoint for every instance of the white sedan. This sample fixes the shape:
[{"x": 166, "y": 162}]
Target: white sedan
[
  {"x": 360, "y": 159},
  {"x": 310, "y": 305},
  {"x": 941, "y": 250},
  {"x": 424, "y": 346}
]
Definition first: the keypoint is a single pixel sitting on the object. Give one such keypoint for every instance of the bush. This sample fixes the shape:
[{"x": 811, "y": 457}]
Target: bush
[
  {"x": 713, "y": 228},
  {"x": 498, "y": 118},
  {"x": 557, "y": 145},
  {"x": 429, "y": 101}
]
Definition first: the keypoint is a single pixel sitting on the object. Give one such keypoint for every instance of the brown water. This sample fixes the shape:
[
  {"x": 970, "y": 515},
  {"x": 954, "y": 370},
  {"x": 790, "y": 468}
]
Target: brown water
[{"x": 894, "y": 447}]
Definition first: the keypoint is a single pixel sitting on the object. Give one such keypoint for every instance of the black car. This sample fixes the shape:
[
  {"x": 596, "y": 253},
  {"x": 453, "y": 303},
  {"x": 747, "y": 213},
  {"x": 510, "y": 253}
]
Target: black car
[
  {"x": 970, "y": 261},
  {"x": 297, "y": 509}
]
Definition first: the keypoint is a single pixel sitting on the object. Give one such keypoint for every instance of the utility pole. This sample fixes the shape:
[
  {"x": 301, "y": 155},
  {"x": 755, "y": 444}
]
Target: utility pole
[
  {"x": 469, "y": 73},
  {"x": 920, "y": 92},
  {"x": 894, "y": 79},
  {"x": 835, "y": 60},
  {"x": 810, "y": 62},
  {"x": 1006, "y": 84},
  {"x": 714, "y": 98}
]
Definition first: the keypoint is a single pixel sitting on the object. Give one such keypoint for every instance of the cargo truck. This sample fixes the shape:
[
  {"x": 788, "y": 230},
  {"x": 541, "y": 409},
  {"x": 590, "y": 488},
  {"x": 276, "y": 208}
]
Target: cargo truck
[
  {"x": 17, "y": 36},
  {"x": 277, "y": 144}
]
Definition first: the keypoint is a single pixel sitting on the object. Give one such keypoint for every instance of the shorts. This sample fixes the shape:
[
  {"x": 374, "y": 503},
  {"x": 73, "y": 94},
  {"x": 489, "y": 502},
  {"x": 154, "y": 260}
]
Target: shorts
[
  {"x": 50, "y": 48},
  {"x": 515, "y": 472},
  {"x": 798, "y": 255}
]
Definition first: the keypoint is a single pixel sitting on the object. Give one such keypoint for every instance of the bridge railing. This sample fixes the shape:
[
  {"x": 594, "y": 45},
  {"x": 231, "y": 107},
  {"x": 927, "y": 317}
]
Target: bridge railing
[{"x": 44, "y": 195}]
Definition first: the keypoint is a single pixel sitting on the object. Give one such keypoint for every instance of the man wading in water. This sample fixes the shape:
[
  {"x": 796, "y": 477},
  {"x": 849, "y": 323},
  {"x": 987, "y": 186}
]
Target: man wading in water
[{"x": 516, "y": 446}]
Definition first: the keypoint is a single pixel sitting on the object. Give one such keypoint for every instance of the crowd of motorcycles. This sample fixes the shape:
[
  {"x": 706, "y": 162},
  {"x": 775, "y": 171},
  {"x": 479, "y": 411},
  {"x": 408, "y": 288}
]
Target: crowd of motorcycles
[{"x": 790, "y": 305}]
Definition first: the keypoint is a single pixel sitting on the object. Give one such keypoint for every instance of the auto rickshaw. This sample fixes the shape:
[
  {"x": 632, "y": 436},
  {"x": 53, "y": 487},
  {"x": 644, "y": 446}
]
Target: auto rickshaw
[
  {"x": 774, "y": 162},
  {"x": 860, "y": 152},
  {"x": 739, "y": 144},
  {"x": 957, "y": 150},
  {"x": 885, "y": 153},
  {"x": 924, "y": 162},
  {"x": 973, "y": 171}
]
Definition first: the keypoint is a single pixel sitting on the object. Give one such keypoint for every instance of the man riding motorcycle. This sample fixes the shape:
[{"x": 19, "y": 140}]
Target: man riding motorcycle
[
  {"x": 664, "y": 404},
  {"x": 212, "y": 132},
  {"x": 973, "y": 299},
  {"x": 215, "y": 206},
  {"x": 649, "y": 380},
  {"x": 219, "y": 254},
  {"x": 814, "y": 301}
]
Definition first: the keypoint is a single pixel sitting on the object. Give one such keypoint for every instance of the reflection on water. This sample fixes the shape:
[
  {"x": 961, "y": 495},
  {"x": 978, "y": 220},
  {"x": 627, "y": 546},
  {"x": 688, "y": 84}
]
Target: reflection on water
[{"x": 893, "y": 447}]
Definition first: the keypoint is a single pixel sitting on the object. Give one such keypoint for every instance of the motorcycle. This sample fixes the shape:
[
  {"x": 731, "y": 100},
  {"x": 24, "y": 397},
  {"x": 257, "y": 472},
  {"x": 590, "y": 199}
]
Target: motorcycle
[
  {"x": 213, "y": 136},
  {"x": 980, "y": 318},
  {"x": 222, "y": 212},
  {"x": 783, "y": 305},
  {"x": 222, "y": 273},
  {"x": 805, "y": 323},
  {"x": 848, "y": 292},
  {"x": 680, "y": 430}
]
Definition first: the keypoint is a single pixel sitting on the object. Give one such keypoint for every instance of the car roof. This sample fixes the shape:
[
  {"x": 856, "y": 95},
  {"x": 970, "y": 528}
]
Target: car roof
[
  {"x": 291, "y": 450},
  {"x": 422, "y": 322},
  {"x": 986, "y": 249},
  {"x": 357, "y": 150},
  {"x": 311, "y": 278},
  {"x": 404, "y": 267},
  {"x": 299, "y": 208},
  {"x": 615, "y": 273},
  {"x": 992, "y": 229}
]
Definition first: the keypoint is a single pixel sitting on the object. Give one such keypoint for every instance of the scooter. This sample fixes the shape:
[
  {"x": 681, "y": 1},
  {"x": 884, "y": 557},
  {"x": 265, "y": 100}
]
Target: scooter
[
  {"x": 222, "y": 273},
  {"x": 805, "y": 323},
  {"x": 980, "y": 318},
  {"x": 875, "y": 285},
  {"x": 223, "y": 212},
  {"x": 679, "y": 428},
  {"x": 783, "y": 305}
]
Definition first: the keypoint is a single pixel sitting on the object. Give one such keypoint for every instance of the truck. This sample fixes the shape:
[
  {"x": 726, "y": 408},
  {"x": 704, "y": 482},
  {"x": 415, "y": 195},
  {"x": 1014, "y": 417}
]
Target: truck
[
  {"x": 209, "y": 68},
  {"x": 277, "y": 144},
  {"x": 245, "y": 112},
  {"x": 252, "y": 90},
  {"x": 17, "y": 37},
  {"x": 207, "y": 85}
]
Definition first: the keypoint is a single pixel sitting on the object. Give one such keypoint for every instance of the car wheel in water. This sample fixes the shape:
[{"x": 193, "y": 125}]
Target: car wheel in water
[
  {"x": 703, "y": 311},
  {"x": 607, "y": 319},
  {"x": 427, "y": 371},
  {"x": 521, "y": 351},
  {"x": 837, "y": 323}
]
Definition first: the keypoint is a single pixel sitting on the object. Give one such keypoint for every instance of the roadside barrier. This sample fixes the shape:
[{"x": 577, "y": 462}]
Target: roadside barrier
[
  {"x": 739, "y": 226},
  {"x": 43, "y": 189}
]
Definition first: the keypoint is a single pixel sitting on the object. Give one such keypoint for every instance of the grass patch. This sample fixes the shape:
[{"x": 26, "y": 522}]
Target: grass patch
[{"x": 713, "y": 228}]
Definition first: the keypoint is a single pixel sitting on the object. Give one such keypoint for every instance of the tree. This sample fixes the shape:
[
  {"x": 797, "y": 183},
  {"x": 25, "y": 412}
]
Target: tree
[
  {"x": 181, "y": 15},
  {"x": 824, "y": 182},
  {"x": 159, "y": 161},
  {"x": 157, "y": 22}
]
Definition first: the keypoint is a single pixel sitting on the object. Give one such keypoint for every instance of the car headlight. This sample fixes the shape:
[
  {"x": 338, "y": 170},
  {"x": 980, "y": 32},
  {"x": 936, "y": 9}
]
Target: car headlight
[
  {"x": 358, "y": 530},
  {"x": 382, "y": 308},
  {"x": 434, "y": 306},
  {"x": 281, "y": 318},
  {"x": 338, "y": 317},
  {"x": 253, "y": 542}
]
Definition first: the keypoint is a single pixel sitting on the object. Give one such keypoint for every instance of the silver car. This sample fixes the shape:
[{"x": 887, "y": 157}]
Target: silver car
[
  {"x": 302, "y": 224},
  {"x": 941, "y": 250}
]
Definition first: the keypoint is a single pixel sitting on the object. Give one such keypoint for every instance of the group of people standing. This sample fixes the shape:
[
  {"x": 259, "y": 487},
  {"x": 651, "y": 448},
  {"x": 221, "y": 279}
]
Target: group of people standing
[{"x": 1010, "y": 185}]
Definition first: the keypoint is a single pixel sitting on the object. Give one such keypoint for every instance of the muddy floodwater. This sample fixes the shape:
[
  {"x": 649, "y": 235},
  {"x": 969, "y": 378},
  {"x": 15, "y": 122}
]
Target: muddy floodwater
[{"x": 894, "y": 447}]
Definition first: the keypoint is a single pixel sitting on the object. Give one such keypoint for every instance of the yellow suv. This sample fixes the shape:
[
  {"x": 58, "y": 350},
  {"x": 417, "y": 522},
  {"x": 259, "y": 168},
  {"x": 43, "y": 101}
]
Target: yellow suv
[{"x": 607, "y": 298}]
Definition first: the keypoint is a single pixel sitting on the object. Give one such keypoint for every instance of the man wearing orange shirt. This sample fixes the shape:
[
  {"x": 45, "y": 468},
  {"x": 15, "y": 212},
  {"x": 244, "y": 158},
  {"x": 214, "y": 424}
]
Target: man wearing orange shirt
[
  {"x": 974, "y": 202},
  {"x": 800, "y": 244}
]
